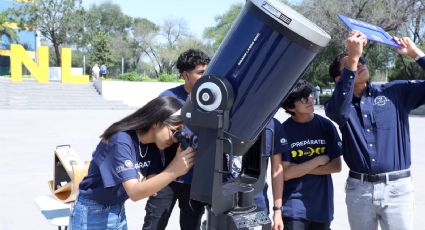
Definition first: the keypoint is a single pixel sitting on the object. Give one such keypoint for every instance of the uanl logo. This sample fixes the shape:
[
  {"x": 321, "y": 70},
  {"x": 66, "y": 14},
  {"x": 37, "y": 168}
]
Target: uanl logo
[
  {"x": 40, "y": 71},
  {"x": 381, "y": 100},
  {"x": 128, "y": 163}
]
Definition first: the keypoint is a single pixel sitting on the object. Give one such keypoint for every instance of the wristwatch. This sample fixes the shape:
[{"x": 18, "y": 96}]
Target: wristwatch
[{"x": 275, "y": 208}]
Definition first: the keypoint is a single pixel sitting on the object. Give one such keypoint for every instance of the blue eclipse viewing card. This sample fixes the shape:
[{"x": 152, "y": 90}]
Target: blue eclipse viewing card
[{"x": 373, "y": 33}]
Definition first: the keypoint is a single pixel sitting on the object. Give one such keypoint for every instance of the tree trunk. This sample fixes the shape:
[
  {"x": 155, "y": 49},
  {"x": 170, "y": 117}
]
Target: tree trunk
[{"x": 57, "y": 54}]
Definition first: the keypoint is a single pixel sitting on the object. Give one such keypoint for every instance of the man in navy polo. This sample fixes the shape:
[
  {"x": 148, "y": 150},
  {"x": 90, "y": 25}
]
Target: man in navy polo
[
  {"x": 191, "y": 65},
  {"x": 374, "y": 124}
]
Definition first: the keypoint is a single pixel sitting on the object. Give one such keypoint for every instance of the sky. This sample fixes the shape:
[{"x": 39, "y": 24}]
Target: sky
[{"x": 198, "y": 14}]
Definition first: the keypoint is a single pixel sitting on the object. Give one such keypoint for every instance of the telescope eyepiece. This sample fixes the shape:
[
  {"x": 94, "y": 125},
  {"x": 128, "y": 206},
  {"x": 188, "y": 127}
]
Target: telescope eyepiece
[{"x": 182, "y": 138}]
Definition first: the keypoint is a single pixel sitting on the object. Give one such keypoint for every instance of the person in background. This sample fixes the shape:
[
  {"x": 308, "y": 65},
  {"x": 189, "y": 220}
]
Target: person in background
[
  {"x": 374, "y": 123},
  {"x": 95, "y": 72},
  {"x": 128, "y": 152},
  {"x": 316, "y": 91},
  {"x": 302, "y": 182},
  {"x": 103, "y": 71},
  {"x": 191, "y": 65}
]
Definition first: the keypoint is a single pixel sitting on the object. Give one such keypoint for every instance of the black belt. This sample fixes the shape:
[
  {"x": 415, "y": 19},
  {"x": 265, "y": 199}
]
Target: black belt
[{"x": 380, "y": 177}]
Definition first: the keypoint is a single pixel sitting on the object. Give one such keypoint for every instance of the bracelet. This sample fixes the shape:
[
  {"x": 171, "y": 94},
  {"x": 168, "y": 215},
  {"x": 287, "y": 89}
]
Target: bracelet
[{"x": 275, "y": 208}]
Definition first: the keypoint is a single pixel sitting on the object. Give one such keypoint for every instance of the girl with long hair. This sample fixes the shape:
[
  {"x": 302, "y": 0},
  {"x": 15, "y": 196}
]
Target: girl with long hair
[{"x": 128, "y": 153}]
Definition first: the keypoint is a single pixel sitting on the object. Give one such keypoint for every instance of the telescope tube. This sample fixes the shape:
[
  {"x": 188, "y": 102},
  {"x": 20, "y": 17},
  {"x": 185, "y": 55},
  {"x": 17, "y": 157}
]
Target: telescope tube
[{"x": 263, "y": 55}]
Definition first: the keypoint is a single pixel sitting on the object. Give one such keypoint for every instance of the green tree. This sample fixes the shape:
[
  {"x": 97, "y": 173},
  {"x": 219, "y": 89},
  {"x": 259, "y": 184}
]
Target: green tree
[
  {"x": 161, "y": 45},
  {"x": 6, "y": 31},
  {"x": 223, "y": 24},
  {"x": 391, "y": 15},
  {"x": 144, "y": 34},
  {"x": 101, "y": 51},
  {"x": 53, "y": 18},
  {"x": 405, "y": 68},
  {"x": 104, "y": 18}
]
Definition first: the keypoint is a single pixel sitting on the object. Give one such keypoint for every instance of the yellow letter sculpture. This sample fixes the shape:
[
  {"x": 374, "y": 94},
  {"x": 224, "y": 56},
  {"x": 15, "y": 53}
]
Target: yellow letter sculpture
[
  {"x": 67, "y": 77},
  {"x": 19, "y": 57}
]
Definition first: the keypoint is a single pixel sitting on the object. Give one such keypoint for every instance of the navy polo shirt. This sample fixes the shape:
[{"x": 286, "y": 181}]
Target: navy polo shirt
[
  {"x": 375, "y": 127},
  {"x": 115, "y": 162},
  {"x": 309, "y": 197},
  {"x": 180, "y": 94}
]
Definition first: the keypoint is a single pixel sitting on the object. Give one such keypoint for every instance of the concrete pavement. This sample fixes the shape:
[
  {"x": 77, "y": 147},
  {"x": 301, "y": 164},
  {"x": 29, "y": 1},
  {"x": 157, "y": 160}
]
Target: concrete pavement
[{"x": 29, "y": 137}]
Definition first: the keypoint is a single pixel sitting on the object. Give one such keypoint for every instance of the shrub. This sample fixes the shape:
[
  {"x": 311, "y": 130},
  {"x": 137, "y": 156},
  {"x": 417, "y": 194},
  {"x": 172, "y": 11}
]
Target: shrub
[
  {"x": 130, "y": 76},
  {"x": 146, "y": 78},
  {"x": 168, "y": 78},
  {"x": 324, "y": 98}
]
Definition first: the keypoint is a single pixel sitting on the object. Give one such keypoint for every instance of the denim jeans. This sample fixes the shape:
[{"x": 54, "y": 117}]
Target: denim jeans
[
  {"x": 388, "y": 203},
  {"x": 88, "y": 214},
  {"x": 159, "y": 208}
]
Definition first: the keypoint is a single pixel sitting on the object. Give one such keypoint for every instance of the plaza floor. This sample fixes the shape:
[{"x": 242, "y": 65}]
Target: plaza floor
[{"x": 29, "y": 137}]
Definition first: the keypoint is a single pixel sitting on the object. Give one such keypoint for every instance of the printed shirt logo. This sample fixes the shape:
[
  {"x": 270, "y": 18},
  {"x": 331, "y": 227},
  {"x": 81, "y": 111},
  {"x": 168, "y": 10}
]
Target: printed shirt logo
[
  {"x": 303, "y": 148},
  {"x": 128, "y": 163},
  {"x": 381, "y": 100},
  {"x": 283, "y": 141},
  {"x": 308, "y": 152},
  {"x": 142, "y": 165}
]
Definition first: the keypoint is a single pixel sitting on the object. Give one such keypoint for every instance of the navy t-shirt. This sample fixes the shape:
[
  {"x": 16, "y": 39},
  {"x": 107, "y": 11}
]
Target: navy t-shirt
[
  {"x": 309, "y": 197},
  {"x": 115, "y": 162},
  {"x": 180, "y": 94}
]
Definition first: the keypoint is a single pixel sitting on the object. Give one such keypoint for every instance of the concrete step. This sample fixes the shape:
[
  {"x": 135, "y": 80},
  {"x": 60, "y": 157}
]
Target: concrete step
[
  {"x": 82, "y": 107},
  {"x": 30, "y": 94}
]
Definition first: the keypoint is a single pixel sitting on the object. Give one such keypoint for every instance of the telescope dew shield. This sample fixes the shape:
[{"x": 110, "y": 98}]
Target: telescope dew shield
[{"x": 263, "y": 55}]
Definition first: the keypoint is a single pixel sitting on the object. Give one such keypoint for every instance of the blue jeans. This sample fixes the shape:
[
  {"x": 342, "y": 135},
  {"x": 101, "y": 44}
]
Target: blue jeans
[
  {"x": 388, "y": 203},
  {"x": 88, "y": 214}
]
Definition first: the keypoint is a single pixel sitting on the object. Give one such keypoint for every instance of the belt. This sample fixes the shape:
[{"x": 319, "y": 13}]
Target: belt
[{"x": 382, "y": 177}]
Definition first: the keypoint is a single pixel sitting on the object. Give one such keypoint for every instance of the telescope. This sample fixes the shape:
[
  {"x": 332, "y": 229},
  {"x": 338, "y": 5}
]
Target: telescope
[{"x": 263, "y": 55}]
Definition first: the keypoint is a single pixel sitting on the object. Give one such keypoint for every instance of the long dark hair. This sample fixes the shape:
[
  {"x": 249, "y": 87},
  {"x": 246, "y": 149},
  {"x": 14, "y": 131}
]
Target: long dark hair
[{"x": 159, "y": 110}]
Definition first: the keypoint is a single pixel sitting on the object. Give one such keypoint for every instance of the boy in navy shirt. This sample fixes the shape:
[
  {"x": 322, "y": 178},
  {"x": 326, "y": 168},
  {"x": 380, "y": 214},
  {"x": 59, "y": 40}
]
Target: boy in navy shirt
[
  {"x": 314, "y": 153},
  {"x": 191, "y": 65},
  {"x": 374, "y": 123}
]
